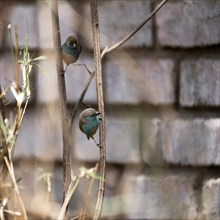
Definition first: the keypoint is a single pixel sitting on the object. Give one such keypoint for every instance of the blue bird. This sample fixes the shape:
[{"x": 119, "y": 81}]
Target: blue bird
[
  {"x": 71, "y": 50},
  {"x": 89, "y": 121}
]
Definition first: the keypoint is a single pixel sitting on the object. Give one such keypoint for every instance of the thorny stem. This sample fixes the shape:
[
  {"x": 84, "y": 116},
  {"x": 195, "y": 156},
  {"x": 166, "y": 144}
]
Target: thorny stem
[{"x": 100, "y": 97}]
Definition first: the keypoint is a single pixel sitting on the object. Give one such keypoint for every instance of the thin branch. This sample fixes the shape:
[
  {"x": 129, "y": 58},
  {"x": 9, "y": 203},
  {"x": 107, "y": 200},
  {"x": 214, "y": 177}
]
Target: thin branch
[
  {"x": 17, "y": 125},
  {"x": 81, "y": 97},
  {"x": 100, "y": 97},
  {"x": 2, "y": 109},
  {"x": 109, "y": 49},
  {"x": 67, "y": 199},
  {"x": 67, "y": 169},
  {"x": 125, "y": 39}
]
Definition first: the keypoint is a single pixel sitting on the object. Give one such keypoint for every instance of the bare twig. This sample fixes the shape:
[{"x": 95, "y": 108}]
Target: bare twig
[
  {"x": 81, "y": 97},
  {"x": 67, "y": 199},
  {"x": 74, "y": 183},
  {"x": 125, "y": 39},
  {"x": 2, "y": 110},
  {"x": 63, "y": 100},
  {"x": 109, "y": 49},
  {"x": 100, "y": 97}
]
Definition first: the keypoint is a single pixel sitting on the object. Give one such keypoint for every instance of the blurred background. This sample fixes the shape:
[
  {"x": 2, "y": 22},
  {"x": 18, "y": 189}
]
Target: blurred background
[{"x": 162, "y": 103}]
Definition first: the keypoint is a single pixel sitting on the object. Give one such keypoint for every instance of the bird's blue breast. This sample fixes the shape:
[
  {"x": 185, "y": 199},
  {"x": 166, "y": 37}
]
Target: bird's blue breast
[
  {"x": 73, "y": 52},
  {"x": 91, "y": 127}
]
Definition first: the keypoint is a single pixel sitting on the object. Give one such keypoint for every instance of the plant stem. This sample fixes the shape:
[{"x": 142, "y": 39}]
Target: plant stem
[
  {"x": 88, "y": 196},
  {"x": 67, "y": 169},
  {"x": 82, "y": 96},
  {"x": 10, "y": 167},
  {"x": 67, "y": 199},
  {"x": 100, "y": 97}
]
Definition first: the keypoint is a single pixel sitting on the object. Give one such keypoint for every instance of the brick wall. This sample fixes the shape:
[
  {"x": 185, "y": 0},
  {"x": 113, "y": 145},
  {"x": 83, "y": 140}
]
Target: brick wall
[{"x": 162, "y": 101}]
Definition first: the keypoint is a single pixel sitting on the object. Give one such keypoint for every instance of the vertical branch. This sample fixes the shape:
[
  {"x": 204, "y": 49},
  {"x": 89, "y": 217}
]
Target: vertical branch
[
  {"x": 63, "y": 100},
  {"x": 100, "y": 97}
]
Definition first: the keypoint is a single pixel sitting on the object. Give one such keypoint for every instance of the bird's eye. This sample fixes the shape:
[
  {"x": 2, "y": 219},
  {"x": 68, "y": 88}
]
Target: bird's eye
[{"x": 73, "y": 44}]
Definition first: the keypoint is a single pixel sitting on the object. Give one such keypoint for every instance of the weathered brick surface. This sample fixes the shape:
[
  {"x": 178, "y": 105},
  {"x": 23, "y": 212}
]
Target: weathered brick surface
[
  {"x": 40, "y": 135},
  {"x": 151, "y": 150},
  {"x": 24, "y": 17},
  {"x": 139, "y": 135},
  {"x": 45, "y": 25},
  {"x": 34, "y": 189},
  {"x": 132, "y": 80},
  {"x": 47, "y": 86},
  {"x": 191, "y": 142},
  {"x": 211, "y": 199},
  {"x": 200, "y": 82},
  {"x": 114, "y": 27},
  {"x": 76, "y": 79},
  {"x": 161, "y": 197},
  {"x": 122, "y": 142},
  {"x": 189, "y": 23}
]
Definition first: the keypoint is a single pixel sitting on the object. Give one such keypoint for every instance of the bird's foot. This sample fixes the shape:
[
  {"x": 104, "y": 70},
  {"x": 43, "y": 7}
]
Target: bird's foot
[
  {"x": 63, "y": 71},
  {"x": 97, "y": 144}
]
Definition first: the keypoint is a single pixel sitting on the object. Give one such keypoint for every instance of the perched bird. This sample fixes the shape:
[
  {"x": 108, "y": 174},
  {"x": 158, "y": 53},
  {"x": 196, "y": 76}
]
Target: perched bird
[
  {"x": 71, "y": 50},
  {"x": 89, "y": 121}
]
